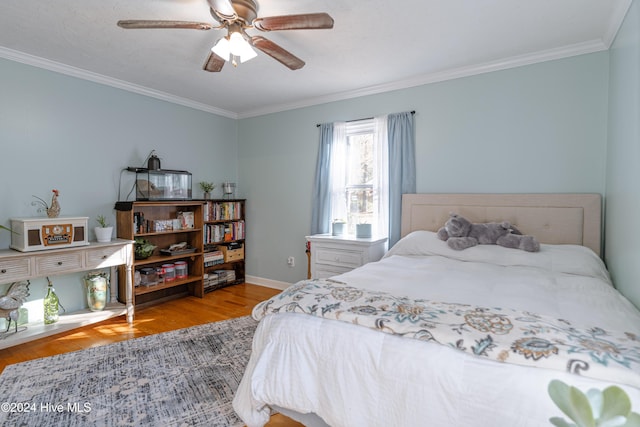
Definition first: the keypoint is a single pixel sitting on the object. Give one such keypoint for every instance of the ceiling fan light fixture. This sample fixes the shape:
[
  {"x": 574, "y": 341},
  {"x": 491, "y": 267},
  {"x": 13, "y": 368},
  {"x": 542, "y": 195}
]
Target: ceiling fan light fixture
[
  {"x": 234, "y": 47},
  {"x": 236, "y": 16},
  {"x": 240, "y": 47},
  {"x": 222, "y": 48},
  {"x": 236, "y": 43},
  {"x": 247, "y": 53}
]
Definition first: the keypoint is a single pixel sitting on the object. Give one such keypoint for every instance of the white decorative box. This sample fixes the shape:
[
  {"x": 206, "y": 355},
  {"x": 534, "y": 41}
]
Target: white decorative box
[{"x": 36, "y": 234}]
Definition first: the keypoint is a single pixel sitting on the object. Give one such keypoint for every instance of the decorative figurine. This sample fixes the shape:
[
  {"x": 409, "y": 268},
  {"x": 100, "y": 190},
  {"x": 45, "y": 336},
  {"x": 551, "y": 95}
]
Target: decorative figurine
[
  {"x": 52, "y": 211},
  {"x": 12, "y": 301}
]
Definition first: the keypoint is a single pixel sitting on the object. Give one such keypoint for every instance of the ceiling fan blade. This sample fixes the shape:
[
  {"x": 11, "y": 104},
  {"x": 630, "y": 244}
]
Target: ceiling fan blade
[
  {"x": 214, "y": 63},
  {"x": 308, "y": 21},
  {"x": 223, "y": 8},
  {"x": 277, "y": 53},
  {"x": 141, "y": 23}
]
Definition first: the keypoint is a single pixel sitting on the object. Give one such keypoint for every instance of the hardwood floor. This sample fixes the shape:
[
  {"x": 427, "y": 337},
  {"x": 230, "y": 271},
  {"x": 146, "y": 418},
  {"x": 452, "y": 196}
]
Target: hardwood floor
[{"x": 222, "y": 304}]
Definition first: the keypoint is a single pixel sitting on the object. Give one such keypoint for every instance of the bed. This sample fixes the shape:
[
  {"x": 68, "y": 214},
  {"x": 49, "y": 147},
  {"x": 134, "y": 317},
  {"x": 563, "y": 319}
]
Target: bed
[{"x": 437, "y": 337}]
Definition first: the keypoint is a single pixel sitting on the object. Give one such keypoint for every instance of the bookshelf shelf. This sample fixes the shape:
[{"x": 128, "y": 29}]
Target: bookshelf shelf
[
  {"x": 224, "y": 243},
  {"x": 139, "y": 219}
]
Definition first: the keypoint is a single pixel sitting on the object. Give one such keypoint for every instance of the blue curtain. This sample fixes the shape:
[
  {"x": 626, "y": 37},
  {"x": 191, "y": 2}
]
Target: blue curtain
[
  {"x": 402, "y": 167},
  {"x": 321, "y": 204}
]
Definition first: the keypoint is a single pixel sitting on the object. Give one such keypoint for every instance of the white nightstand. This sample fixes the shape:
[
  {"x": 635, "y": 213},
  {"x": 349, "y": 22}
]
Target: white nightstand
[{"x": 332, "y": 255}]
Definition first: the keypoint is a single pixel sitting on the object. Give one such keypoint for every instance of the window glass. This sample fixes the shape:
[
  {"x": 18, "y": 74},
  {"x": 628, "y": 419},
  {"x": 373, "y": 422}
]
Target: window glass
[
  {"x": 355, "y": 170},
  {"x": 359, "y": 182}
]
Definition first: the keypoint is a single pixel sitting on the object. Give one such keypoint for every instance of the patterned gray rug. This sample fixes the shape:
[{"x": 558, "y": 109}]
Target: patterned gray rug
[{"x": 180, "y": 378}]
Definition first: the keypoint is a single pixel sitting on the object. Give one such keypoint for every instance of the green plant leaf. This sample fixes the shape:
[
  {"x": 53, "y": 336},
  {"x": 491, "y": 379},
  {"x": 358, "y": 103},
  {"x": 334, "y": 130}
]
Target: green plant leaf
[
  {"x": 615, "y": 402},
  {"x": 633, "y": 420},
  {"x": 596, "y": 400},
  {"x": 8, "y": 229},
  {"x": 572, "y": 402},
  {"x": 560, "y": 422}
]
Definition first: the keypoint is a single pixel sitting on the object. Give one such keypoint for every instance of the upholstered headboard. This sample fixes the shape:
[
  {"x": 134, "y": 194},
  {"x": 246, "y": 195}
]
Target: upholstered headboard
[{"x": 551, "y": 218}]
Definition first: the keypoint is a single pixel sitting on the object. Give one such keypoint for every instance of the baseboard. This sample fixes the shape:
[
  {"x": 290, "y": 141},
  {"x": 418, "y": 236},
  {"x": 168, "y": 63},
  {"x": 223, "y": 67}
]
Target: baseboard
[{"x": 261, "y": 281}]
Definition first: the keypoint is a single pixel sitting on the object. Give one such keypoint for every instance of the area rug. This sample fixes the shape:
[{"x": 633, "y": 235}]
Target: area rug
[{"x": 185, "y": 377}]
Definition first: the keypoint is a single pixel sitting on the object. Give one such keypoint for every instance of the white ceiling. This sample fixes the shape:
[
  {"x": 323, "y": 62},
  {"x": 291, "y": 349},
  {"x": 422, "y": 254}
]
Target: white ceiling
[{"x": 375, "y": 46}]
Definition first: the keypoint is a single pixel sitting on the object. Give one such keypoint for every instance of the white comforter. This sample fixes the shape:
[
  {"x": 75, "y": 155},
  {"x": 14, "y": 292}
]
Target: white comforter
[{"x": 353, "y": 376}]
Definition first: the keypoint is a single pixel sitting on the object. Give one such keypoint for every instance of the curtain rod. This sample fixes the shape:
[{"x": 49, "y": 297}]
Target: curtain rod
[{"x": 366, "y": 118}]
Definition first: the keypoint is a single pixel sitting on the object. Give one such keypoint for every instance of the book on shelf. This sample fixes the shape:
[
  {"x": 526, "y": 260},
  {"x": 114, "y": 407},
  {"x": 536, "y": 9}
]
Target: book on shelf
[
  {"x": 219, "y": 277},
  {"x": 226, "y": 232},
  {"x": 213, "y": 258},
  {"x": 183, "y": 220},
  {"x": 186, "y": 219},
  {"x": 223, "y": 211}
]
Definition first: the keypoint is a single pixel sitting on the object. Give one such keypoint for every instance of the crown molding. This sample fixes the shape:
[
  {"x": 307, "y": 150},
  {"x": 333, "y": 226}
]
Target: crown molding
[
  {"x": 503, "y": 64},
  {"x": 68, "y": 70},
  {"x": 617, "y": 18}
]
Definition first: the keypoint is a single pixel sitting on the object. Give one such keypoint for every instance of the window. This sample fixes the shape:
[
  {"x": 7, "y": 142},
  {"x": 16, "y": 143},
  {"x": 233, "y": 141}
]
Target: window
[
  {"x": 357, "y": 170},
  {"x": 362, "y": 170}
]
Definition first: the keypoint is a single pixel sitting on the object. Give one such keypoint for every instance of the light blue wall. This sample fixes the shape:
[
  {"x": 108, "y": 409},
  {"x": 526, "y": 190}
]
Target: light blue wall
[
  {"x": 76, "y": 136},
  {"x": 622, "y": 251},
  {"x": 539, "y": 128}
]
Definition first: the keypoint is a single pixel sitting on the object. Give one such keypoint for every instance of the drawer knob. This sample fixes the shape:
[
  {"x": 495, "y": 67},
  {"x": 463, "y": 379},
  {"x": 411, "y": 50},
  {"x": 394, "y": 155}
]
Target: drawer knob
[
  {"x": 4, "y": 270},
  {"x": 59, "y": 262},
  {"x": 104, "y": 257}
]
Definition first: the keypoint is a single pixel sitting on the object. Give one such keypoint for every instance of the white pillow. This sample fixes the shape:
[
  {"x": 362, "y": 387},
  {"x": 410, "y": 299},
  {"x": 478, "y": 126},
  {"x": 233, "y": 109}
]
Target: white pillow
[{"x": 569, "y": 259}]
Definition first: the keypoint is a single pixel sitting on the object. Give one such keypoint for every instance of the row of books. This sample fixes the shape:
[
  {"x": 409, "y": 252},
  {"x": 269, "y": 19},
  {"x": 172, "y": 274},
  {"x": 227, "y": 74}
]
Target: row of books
[
  {"x": 222, "y": 211},
  {"x": 213, "y": 258},
  {"x": 226, "y": 232},
  {"x": 219, "y": 277},
  {"x": 183, "y": 220}
]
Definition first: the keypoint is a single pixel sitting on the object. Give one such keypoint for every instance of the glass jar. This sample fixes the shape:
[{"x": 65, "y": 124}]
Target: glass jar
[
  {"x": 168, "y": 272},
  {"x": 148, "y": 276},
  {"x": 182, "y": 270},
  {"x": 96, "y": 286}
]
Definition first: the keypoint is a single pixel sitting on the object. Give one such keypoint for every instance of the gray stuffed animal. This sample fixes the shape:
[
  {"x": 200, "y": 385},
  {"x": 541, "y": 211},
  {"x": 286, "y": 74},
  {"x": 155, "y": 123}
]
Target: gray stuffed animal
[{"x": 460, "y": 233}]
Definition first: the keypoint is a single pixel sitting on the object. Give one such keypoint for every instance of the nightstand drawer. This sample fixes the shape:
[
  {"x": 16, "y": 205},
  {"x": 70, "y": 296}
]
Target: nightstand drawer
[
  {"x": 333, "y": 255},
  {"x": 324, "y": 271},
  {"x": 339, "y": 257},
  {"x": 59, "y": 263}
]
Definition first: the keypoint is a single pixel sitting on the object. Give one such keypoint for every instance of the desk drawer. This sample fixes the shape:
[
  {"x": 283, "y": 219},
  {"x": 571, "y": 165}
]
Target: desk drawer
[
  {"x": 104, "y": 257},
  {"x": 13, "y": 270},
  {"x": 59, "y": 263},
  {"x": 339, "y": 257}
]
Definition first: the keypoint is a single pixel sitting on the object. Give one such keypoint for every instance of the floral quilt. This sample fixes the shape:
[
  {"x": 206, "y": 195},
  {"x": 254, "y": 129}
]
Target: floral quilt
[{"x": 500, "y": 334}]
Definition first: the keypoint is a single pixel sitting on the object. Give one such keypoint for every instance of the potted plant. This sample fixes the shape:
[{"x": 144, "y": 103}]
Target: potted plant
[
  {"x": 143, "y": 249},
  {"x": 207, "y": 188},
  {"x": 104, "y": 229}
]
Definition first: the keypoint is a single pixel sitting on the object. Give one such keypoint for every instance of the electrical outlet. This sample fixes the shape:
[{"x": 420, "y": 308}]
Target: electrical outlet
[{"x": 291, "y": 261}]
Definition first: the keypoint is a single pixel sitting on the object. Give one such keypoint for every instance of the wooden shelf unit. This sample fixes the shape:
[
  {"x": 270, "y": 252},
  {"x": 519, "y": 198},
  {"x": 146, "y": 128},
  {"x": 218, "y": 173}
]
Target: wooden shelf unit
[
  {"x": 156, "y": 211},
  {"x": 221, "y": 214}
]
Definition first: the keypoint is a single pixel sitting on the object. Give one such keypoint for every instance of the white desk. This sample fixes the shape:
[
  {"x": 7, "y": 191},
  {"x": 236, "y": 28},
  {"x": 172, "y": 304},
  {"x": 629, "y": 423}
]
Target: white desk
[{"x": 17, "y": 266}]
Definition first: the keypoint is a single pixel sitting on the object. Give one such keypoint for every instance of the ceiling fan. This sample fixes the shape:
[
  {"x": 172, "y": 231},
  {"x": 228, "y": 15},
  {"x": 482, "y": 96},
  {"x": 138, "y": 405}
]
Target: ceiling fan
[{"x": 237, "y": 16}]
